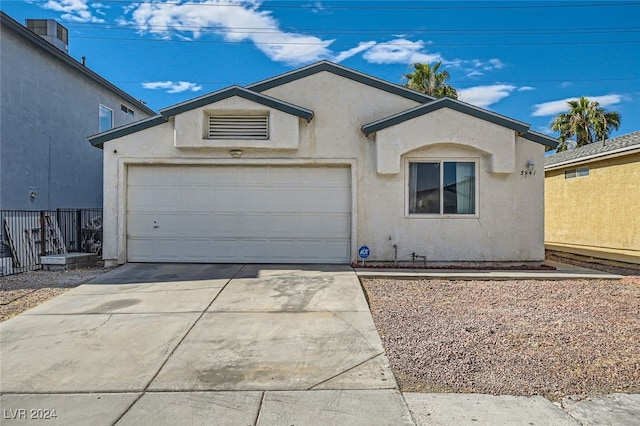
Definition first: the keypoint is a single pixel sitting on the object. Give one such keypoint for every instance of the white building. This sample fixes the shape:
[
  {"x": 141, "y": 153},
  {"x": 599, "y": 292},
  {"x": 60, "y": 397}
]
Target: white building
[{"x": 308, "y": 166}]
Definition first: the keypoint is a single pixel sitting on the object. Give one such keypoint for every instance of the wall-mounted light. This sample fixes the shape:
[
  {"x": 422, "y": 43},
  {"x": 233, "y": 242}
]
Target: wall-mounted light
[
  {"x": 33, "y": 195},
  {"x": 235, "y": 153},
  {"x": 531, "y": 165}
]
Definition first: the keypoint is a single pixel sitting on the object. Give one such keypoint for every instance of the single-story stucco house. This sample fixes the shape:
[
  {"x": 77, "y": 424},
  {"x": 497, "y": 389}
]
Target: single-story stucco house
[{"x": 310, "y": 165}]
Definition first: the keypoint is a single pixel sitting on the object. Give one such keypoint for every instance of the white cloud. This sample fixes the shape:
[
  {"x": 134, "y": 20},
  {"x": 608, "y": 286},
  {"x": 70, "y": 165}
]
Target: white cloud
[
  {"x": 477, "y": 67},
  {"x": 556, "y": 107},
  {"x": 526, "y": 89},
  {"x": 172, "y": 87},
  {"x": 400, "y": 51},
  {"x": 245, "y": 20},
  {"x": 474, "y": 73},
  {"x": 494, "y": 63},
  {"x": 361, "y": 47},
  {"x": 317, "y": 7},
  {"x": 235, "y": 21},
  {"x": 483, "y": 96},
  {"x": 75, "y": 10}
]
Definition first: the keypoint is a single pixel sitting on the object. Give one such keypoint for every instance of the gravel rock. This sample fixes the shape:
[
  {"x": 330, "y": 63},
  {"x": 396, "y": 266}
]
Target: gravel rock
[
  {"x": 24, "y": 291},
  {"x": 549, "y": 338}
]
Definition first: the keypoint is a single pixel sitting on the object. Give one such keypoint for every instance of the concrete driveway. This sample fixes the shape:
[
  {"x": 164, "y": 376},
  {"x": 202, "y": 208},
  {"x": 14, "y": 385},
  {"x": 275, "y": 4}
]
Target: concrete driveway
[{"x": 201, "y": 344}]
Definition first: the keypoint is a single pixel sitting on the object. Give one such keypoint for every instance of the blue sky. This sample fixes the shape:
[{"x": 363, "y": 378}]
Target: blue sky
[{"x": 521, "y": 59}]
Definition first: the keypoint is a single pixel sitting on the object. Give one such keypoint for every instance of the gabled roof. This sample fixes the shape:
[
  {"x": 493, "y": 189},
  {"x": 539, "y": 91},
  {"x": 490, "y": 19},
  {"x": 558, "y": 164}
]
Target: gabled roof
[
  {"x": 101, "y": 138},
  {"x": 240, "y": 92},
  {"x": 465, "y": 108},
  {"x": 359, "y": 77},
  {"x": 252, "y": 93},
  {"x": 615, "y": 146},
  {"x": 60, "y": 55},
  {"x": 166, "y": 113}
]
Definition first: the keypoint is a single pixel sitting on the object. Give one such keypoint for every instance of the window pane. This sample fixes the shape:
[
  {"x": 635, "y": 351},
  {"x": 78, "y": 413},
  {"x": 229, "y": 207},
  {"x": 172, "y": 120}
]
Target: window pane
[
  {"x": 424, "y": 188},
  {"x": 106, "y": 119},
  {"x": 459, "y": 191},
  {"x": 583, "y": 171},
  {"x": 568, "y": 174}
]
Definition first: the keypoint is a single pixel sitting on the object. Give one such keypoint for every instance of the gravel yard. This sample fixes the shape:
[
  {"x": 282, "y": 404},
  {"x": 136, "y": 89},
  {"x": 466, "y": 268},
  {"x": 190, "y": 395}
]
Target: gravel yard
[
  {"x": 24, "y": 291},
  {"x": 550, "y": 338}
]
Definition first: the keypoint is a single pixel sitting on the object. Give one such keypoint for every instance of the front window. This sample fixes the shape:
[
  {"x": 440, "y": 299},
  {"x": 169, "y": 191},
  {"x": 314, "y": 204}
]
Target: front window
[
  {"x": 442, "y": 187},
  {"x": 106, "y": 119}
]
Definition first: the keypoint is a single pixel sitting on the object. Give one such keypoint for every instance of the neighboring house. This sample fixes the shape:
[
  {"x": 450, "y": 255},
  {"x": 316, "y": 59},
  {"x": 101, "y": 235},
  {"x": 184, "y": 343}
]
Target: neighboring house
[
  {"x": 50, "y": 103},
  {"x": 592, "y": 198},
  {"x": 308, "y": 166}
]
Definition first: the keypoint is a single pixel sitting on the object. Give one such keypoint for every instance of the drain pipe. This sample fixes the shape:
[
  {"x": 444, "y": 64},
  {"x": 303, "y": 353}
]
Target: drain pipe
[{"x": 395, "y": 255}]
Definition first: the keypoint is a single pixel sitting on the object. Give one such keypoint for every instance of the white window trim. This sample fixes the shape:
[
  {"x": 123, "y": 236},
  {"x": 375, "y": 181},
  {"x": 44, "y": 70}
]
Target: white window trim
[
  {"x": 408, "y": 160},
  {"x": 99, "y": 119}
]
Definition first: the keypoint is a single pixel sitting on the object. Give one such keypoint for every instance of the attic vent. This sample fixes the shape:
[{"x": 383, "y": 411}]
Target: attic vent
[{"x": 238, "y": 127}]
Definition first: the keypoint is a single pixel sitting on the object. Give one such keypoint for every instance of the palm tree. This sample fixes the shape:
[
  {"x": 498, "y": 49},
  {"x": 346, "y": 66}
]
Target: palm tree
[
  {"x": 585, "y": 121},
  {"x": 430, "y": 81}
]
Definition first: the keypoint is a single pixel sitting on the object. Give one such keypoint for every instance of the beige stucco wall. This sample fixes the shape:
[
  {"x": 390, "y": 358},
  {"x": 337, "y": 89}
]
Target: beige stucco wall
[
  {"x": 598, "y": 211},
  {"x": 497, "y": 142},
  {"x": 509, "y": 225}
]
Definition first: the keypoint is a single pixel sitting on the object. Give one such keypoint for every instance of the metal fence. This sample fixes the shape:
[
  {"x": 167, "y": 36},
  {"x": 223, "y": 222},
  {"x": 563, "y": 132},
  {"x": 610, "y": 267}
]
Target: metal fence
[{"x": 27, "y": 235}]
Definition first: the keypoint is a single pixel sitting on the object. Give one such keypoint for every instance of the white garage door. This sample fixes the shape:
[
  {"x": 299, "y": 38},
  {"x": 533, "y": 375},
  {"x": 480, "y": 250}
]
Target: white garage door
[{"x": 261, "y": 214}]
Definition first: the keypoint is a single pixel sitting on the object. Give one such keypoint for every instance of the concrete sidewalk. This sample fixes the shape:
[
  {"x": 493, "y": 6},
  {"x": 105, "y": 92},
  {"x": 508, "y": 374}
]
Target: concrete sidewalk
[{"x": 233, "y": 344}]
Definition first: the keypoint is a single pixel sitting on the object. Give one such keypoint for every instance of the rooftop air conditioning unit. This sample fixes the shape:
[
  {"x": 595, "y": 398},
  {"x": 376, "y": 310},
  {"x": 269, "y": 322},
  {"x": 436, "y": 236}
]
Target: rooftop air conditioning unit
[{"x": 51, "y": 31}]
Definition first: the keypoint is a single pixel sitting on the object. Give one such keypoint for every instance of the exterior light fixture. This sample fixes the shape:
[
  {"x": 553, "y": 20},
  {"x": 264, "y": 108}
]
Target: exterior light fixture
[
  {"x": 530, "y": 165},
  {"x": 235, "y": 153}
]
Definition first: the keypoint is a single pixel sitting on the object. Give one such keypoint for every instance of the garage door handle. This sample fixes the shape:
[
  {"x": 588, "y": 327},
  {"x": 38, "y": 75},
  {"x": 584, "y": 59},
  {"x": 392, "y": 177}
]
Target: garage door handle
[{"x": 156, "y": 226}]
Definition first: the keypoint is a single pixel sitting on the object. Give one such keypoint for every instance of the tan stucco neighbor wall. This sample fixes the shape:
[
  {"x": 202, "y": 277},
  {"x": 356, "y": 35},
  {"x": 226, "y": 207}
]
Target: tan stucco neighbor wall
[
  {"x": 509, "y": 225},
  {"x": 599, "y": 212}
]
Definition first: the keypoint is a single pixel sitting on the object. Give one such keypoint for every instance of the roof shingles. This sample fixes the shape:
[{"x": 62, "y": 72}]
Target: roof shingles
[{"x": 594, "y": 150}]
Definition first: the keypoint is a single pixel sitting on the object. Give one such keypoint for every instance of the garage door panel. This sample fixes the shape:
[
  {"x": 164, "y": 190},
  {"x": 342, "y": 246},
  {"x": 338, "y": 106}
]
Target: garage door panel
[
  {"x": 239, "y": 214},
  {"x": 281, "y": 225},
  {"x": 252, "y": 249},
  {"x": 250, "y": 225},
  {"x": 333, "y": 251},
  {"x": 336, "y": 225},
  {"x": 337, "y": 200},
  {"x": 196, "y": 199},
  {"x": 141, "y": 198},
  {"x": 139, "y": 224},
  {"x": 224, "y": 199},
  {"x": 280, "y": 177},
  {"x": 252, "y": 199},
  {"x": 279, "y": 200},
  {"x": 310, "y": 200},
  {"x": 194, "y": 225},
  {"x": 222, "y": 249},
  {"x": 154, "y": 249}
]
